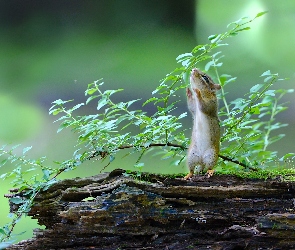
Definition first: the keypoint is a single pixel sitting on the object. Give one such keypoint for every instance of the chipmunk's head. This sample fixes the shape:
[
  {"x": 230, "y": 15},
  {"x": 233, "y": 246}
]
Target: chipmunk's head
[{"x": 202, "y": 81}]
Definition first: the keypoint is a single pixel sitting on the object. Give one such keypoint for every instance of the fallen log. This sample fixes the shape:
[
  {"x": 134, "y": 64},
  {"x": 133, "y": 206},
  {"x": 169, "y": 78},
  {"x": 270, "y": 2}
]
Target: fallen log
[{"x": 115, "y": 211}]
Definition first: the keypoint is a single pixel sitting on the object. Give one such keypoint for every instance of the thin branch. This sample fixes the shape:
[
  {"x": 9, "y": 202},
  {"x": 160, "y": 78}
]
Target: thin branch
[
  {"x": 155, "y": 145},
  {"x": 226, "y": 158},
  {"x": 236, "y": 162}
]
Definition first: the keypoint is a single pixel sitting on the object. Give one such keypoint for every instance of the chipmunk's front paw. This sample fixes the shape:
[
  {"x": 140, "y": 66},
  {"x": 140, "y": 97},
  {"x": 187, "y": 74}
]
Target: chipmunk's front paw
[{"x": 209, "y": 173}]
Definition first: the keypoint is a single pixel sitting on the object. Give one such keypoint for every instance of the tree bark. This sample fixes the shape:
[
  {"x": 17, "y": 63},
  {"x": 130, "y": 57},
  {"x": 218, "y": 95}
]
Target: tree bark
[{"x": 115, "y": 211}]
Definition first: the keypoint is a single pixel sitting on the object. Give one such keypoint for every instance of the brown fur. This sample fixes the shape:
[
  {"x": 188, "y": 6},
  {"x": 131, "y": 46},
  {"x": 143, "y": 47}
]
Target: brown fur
[{"x": 202, "y": 103}]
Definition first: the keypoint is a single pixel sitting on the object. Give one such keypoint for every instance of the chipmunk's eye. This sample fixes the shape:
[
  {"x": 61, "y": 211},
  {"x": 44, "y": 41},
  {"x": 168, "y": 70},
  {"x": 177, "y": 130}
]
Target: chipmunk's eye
[{"x": 205, "y": 78}]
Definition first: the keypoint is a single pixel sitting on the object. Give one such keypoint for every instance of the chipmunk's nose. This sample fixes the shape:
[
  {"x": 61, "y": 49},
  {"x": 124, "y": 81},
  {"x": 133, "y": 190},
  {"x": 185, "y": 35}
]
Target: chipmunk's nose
[{"x": 195, "y": 72}]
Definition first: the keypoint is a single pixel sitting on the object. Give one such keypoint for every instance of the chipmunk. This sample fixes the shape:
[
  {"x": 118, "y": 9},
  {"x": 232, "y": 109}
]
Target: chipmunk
[{"x": 202, "y": 103}]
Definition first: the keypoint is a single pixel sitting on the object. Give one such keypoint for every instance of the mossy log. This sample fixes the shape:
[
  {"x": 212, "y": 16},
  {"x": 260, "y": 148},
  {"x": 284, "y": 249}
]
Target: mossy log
[{"x": 115, "y": 211}]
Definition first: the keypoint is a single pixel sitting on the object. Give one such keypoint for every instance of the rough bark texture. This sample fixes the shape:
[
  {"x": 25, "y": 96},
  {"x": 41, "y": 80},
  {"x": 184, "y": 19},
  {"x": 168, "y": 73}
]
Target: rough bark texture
[{"x": 221, "y": 212}]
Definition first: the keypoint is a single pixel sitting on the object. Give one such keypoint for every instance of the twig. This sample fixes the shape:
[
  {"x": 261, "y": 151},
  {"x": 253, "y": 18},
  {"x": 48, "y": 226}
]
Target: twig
[
  {"x": 226, "y": 158},
  {"x": 236, "y": 162},
  {"x": 155, "y": 145}
]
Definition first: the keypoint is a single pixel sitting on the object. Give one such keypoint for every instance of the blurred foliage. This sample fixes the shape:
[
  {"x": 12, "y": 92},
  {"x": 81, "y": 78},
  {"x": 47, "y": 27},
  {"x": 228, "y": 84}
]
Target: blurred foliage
[
  {"x": 268, "y": 43},
  {"x": 53, "y": 49}
]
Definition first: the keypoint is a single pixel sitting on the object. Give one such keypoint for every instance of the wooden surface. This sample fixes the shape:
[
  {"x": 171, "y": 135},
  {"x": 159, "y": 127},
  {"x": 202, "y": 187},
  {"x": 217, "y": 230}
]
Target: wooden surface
[{"x": 115, "y": 211}]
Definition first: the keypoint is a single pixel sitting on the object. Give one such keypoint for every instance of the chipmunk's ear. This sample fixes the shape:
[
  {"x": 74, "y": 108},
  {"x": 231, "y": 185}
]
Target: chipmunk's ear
[{"x": 216, "y": 86}]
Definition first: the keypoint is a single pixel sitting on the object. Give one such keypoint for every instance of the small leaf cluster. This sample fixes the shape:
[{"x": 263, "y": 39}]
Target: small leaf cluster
[
  {"x": 111, "y": 128},
  {"x": 249, "y": 124},
  {"x": 202, "y": 52},
  {"x": 26, "y": 178}
]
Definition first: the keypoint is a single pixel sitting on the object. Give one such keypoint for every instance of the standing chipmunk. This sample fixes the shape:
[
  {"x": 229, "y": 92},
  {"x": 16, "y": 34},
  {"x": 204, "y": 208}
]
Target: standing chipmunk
[{"x": 202, "y": 103}]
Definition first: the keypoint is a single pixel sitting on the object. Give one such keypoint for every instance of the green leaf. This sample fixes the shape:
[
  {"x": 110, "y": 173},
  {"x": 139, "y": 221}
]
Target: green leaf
[
  {"x": 121, "y": 118},
  {"x": 3, "y": 162},
  {"x": 111, "y": 92},
  {"x": 77, "y": 106},
  {"x": 139, "y": 165},
  {"x": 63, "y": 125},
  {"x": 268, "y": 78},
  {"x": 62, "y": 118},
  {"x": 266, "y": 73},
  {"x": 255, "y": 88},
  {"x": 24, "y": 187},
  {"x": 270, "y": 92},
  {"x": 102, "y": 102},
  {"x": 246, "y": 28},
  {"x": 261, "y": 14},
  {"x": 255, "y": 110},
  {"x": 286, "y": 156},
  {"x": 16, "y": 200},
  {"x": 60, "y": 102},
  {"x": 15, "y": 146},
  {"x": 182, "y": 115},
  {"x": 233, "y": 33},
  {"x": 112, "y": 158},
  {"x": 46, "y": 174},
  {"x": 183, "y": 56},
  {"x": 237, "y": 22},
  {"x": 168, "y": 155},
  {"x": 276, "y": 138},
  {"x": 211, "y": 37},
  {"x": 215, "y": 38},
  {"x": 199, "y": 47},
  {"x": 2, "y": 231},
  {"x": 4, "y": 245},
  {"x": 208, "y": 65},
  {"x": 25, "y": 150},
  {"x": 185, "y": 63},
  {"x": 216, "y": 54},
  {"x": 90, "y": 91},
  {"x": 203, "y": 58},
  {"x": 131, "y": 102},
  {"x": 3, "y": 176},
  {"x": 221, "y": 44},
  {"x": 56, "y": 111},
  {"x": 90, "y": 198},
  {"x": 150, "y": 100},
  {"x": 11, "y": 215}
]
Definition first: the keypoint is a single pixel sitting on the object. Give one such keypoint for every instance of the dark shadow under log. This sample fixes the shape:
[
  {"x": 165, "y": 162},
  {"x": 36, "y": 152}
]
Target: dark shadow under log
[{"x": 115, "y": 211}]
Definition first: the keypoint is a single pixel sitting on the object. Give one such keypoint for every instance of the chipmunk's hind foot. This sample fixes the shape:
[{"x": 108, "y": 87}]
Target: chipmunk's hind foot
[
  {"x": 188, "y": 176},
  {"x": 209, "y": 173}
]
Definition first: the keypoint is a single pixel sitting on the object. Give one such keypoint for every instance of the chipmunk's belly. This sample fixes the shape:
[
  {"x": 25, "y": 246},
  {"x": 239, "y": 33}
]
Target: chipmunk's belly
[{"x": 203, "y": 133}]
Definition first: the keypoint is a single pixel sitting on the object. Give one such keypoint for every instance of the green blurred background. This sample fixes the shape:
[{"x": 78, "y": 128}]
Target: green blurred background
[{"x": 53, "y": 49}]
